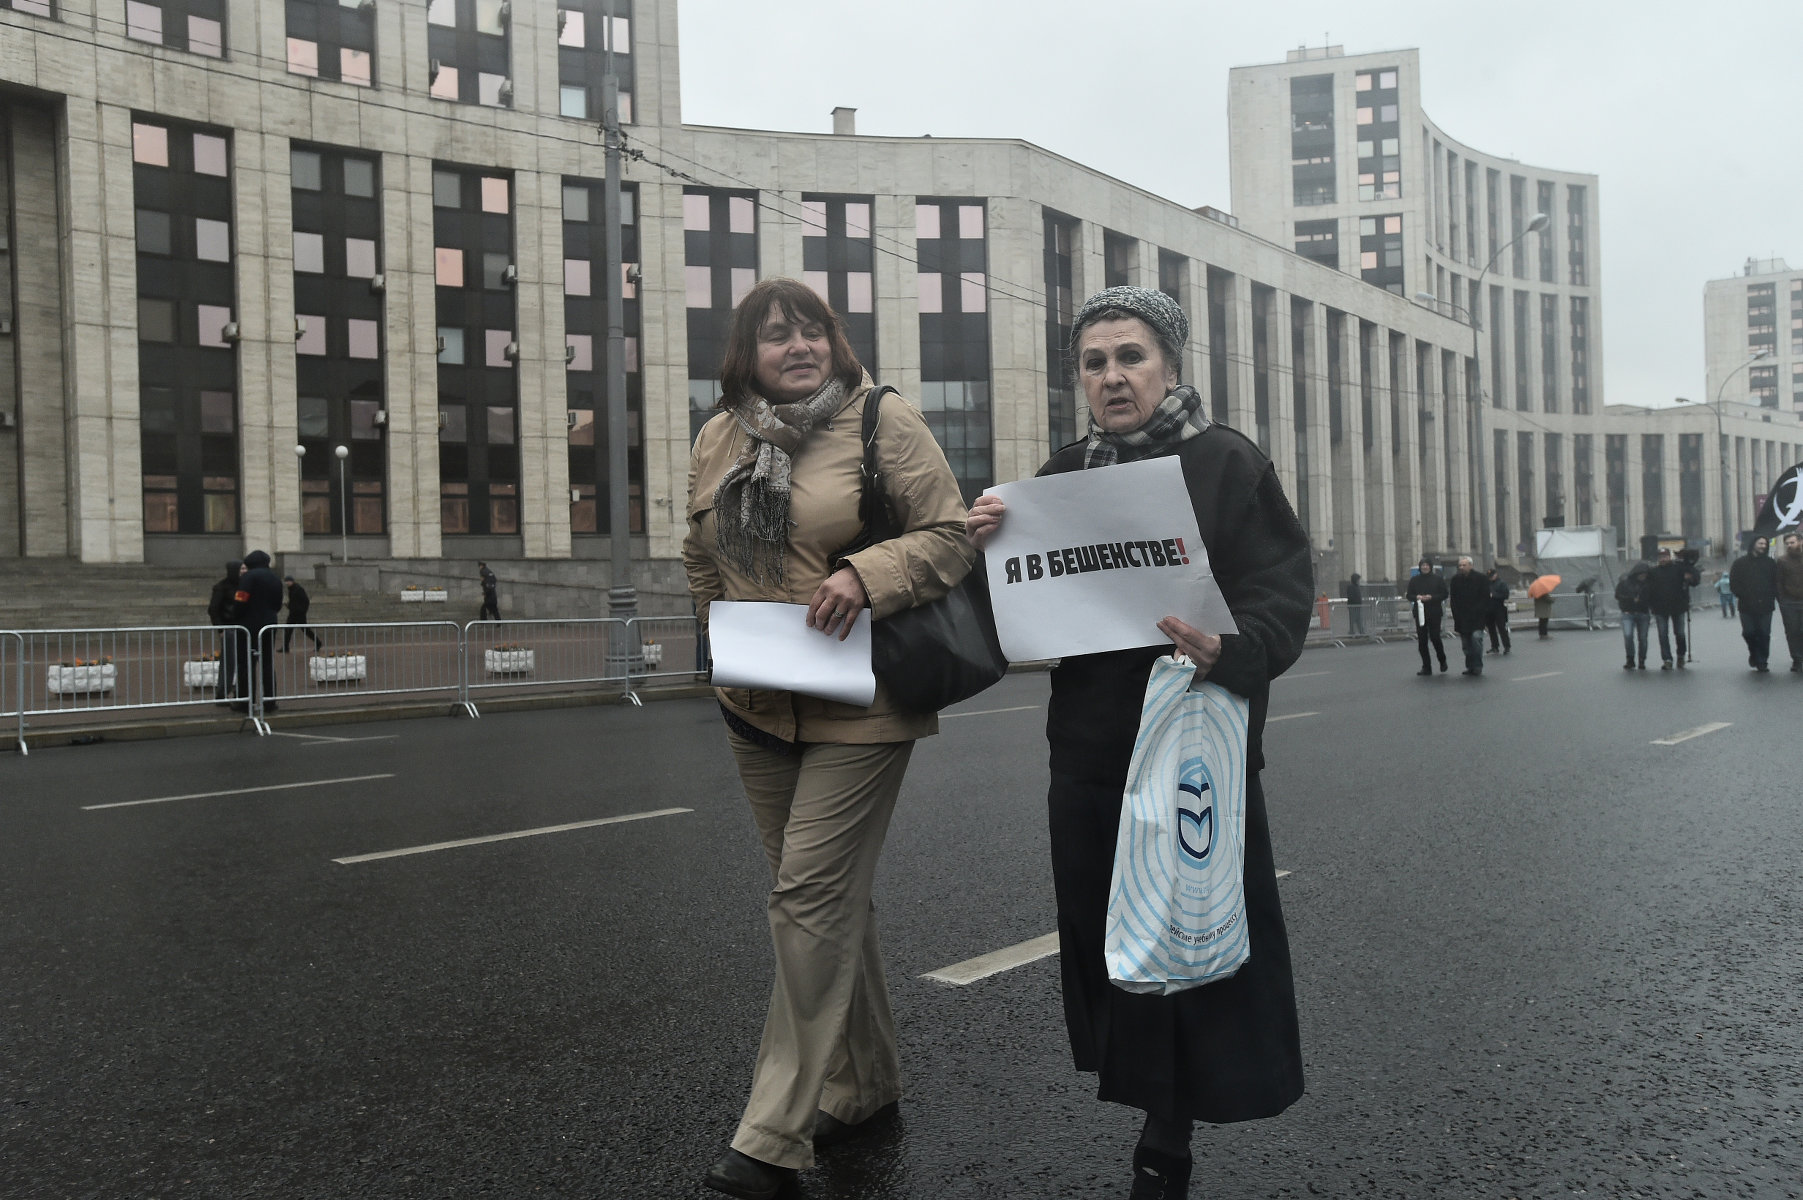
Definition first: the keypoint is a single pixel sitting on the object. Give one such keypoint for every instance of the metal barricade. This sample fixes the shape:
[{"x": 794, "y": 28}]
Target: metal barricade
[
  {"x": 1572, "y": 610},
  {"x": 418, "y": 659},
  {"x": 538, "y": 655},
  {"x": 669, "y": 648},
  {"x": 12, "y": 682},
  {"x": 77, "y": 671}
]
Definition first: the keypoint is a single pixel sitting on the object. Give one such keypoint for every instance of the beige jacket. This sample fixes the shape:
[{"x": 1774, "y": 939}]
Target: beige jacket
[{"x": 920, "y": 566}]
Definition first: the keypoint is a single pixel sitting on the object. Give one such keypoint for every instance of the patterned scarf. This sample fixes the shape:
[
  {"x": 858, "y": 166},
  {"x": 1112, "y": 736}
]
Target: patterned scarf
[
  {"x": 1177, "y": 418},
  {"x": 751, "y": 505}
]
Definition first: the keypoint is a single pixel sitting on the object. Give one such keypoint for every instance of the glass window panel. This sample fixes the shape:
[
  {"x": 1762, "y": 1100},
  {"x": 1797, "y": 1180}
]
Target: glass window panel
[
  {"x": 143, "y": 21},
  {"x": 451, "y": 338},
  {"x": 311, "y": 418},
  {"x": 209, "y": 155},
  {"x": 503, "y": 515},
  {"x": 39, "y": 8},
  {"x": 156, "y": 410},
  {"x": 813, "y": 219},
  {"x": 572, "y": 100},
  {"x": 454, "y": 515},
  {"x": 488, "y": 88},
  {"x": 1387, "y": 79},
  {"x": 212, "y": 240},
  {"x": 218, "y": 412},
  {"x": 858, "y": 292},
  {"x": 740, "y": 214},
  {"x": 629, "y": 207},
  {"x": 970, "y": 220},
  {"x": 313, "y": 334},
  {"x": 354, "y": 66},
  {"x": 582, "y": 427},
  {"x": 497, "y": 341},
  {"x": 441, "y": 12},
  {"x": 303, "y": 170},
  {"x": 628, "y": 289},
  {"x": 366, "y": 513},
  {"x": 303, "y": 57},
  {"x": 221, "y": 512},
  {"x": 453, "y": 424},
  {"x": 1392, "y": 224},
  {"x": 156, "y": 320},
  {"x": 632, "y": 355},
  {"x": 211, "y": 321},
  {"x": 447, "y": 190},
  {"x": 575, "y": 203},
  {"x": 572, "y": 28},
  {"x": 488, "y": 17},
  {"x": 576, "y": 277},
  {"x": 1368, "y": 260},
  {"x": 494, "y": 270},
  {"x": 926, "y": 222},
  {"x": 365, "y": 338},
  {"x": 363, "y": 421},
  {"x": 584, "y": 345},
  {"x": 698, "y": 282},
  {"x": 1364, "y": 116},
  {"x": 445, "y": 84},
  {"x": 359, "y": 177},
  {"x": 153, "y": 232},
  {"x": 450, "y": 266},
  {"x": 972, "y": 296},
  {"x": 310, "y": 253},
  {"x": 625, "y": 108},
  {"x": 205, "y": 36},
  {"x": 360, "y": 258},
  {"x": 932, "y": 296},
  {"x": 500, "y": 426},
  {"x": 494, "y": 194},
  {"x": 857, "y": 220},
  {"x": 149, "y": 145},
  {"x": 1386, "y": 112},
  {"x": 816, "y": 280},
  {"x": 743, "y": 280},
  {"x": 1362, "y": 83},
  {"x": 159, "y": 512},
  {"x": 695, "y": 213},
  {"x": 622, "y": 40}
]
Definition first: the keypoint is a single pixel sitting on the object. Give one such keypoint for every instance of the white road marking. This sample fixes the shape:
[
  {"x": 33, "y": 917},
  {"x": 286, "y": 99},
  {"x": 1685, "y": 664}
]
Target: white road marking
[
  {"x": 504, "y": 837},
  {"x": 1305, "y": 675},
  {"x": 1699, "y": 731},
  {"x": 1284, "y": 874},
  {"x": 990, "y": 712},
  {"x": 338, "y": 741},
  {"x": 1542, "y": 675},
  {"x": 272, "y": 787},
  {"x": 1290, "y": 717}
]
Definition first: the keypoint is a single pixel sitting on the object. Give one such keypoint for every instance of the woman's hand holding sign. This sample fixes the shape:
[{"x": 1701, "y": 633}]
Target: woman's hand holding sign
[
  {"x": 834, "y": 608},
  {"x": 985, "y": 518},
  {"x": 1203, "y": 649}
]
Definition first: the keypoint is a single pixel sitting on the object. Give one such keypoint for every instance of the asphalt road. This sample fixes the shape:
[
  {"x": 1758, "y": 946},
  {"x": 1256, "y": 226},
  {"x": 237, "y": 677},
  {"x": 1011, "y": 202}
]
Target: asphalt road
[{"x": 1537, "y": 954}]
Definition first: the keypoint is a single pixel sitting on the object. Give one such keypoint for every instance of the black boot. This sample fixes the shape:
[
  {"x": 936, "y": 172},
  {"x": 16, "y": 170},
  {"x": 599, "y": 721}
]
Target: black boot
[
  {"x": 748, "y": 1178},
  {"x": 1159, "y": 1176}
]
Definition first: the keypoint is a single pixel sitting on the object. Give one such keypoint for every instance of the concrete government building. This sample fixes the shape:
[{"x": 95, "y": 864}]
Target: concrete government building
[{"x": 232, "y": 229}]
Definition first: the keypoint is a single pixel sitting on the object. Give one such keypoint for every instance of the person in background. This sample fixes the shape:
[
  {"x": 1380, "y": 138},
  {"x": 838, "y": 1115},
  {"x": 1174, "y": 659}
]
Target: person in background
[
  {"x": 1668, "y": 595},
  {"x": 259, "y": 597},
  {"x": 1496, "y": 618},
  {"x": 222, "y": 609},
  {"x": 1469, "y": 597},
  {"x": 1754, "y": 578},
  {"x": 1631, "y": 597},
  {"x": 491, "y": 594},
  {"x": 1426, "y": 594},
  {"x": 1725, "y": 591},
  {"x": 1543, "y": 612},
  {"x": 1790, "y": 597},
  {"x": 1355, "y": 606},
  {"x": 298, "y": 603}
]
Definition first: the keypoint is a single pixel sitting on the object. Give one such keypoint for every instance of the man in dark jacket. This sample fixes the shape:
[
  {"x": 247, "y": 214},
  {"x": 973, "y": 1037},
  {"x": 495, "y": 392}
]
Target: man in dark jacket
[
  {"x": 259, "y": 599},
  {"x": 1469, "y": 595},
  {"x": 1754, "y": 581},
  {"x": 298, "y": 603},
  {"x": 1790, "y": 596},
  {"x": 1631, "y": 596},
  {"x": 1426, "y": 594},
  {"x": 222, "y": 609},
  {"x": 1355, "y": 606},
  {"x": 1496, "y": 619},
  {"x": 491, "y": 596},
  {"x": 1668, "y": 596}
]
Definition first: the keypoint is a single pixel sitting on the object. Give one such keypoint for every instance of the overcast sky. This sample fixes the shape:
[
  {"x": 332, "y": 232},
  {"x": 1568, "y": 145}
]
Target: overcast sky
[{"x": 1687, "y": 112}]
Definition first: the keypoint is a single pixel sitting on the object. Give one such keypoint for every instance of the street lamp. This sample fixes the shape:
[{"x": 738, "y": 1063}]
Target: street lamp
[
  {"x": 1721, "y": 449},
  {"x": 1539, "y": 222},
  {"x": 344, "y": 521}
]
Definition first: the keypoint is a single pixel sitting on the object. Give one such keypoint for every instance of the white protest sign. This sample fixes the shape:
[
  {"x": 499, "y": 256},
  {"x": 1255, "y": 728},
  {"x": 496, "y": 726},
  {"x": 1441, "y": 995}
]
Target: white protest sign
[
  {"x": 1089, "y": 561},
  {"x": 759, "y": 644}
]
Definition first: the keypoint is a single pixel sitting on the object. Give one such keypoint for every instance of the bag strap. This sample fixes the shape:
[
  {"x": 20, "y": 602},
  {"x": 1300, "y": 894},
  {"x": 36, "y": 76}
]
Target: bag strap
[{"x": 873, "y": 503}]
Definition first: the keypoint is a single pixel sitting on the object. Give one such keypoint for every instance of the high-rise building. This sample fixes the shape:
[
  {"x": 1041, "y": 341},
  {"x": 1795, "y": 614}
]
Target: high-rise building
[{"x": 1753, "y": 336}]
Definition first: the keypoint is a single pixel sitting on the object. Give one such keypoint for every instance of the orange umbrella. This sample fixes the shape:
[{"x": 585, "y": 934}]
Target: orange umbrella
[{"x": 1542, "y": 586}]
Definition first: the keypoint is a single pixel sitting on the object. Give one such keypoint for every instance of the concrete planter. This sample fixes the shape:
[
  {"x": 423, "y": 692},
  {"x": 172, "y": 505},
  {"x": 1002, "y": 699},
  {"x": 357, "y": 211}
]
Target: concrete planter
[
  {"x": 201, "y": 673},
  {"x": 78, "y": 681},
  {"x": 508, "y": 662},
  {"x": 342, "y": 669},
  {"x": 654, "y": 654}
]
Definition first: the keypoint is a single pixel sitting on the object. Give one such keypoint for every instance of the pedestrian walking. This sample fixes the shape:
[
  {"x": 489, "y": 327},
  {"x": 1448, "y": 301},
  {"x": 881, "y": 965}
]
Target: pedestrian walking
[
  {"x": 1668, "y": 596},
  {"x": 259, "y": 598},
  {"x": 767, "y": 521},
  {"x": 1355, "y": 607},
  {"x": 1496, "y": 617},
  {"x": 1754, "y": 578},
  {"x": 1636, "y": 618},
  {"x": 491, "y": 594},
  {"x": 1426, "y": 594},
  {"x": 1227, "y": 1051},
  {"x": 1790, "y": 597},
  {"x": 1468, "y": 594},
  {"x": 1543, "y": 612},
  {"x": 222, "y": 609},
  {"x": 298, "y": 604},
  {"x": 1725, "y": 591}
]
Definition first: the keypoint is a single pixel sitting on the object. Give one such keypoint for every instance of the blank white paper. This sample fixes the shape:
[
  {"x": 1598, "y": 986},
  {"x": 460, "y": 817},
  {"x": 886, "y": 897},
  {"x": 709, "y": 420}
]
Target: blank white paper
[{"x": 762, "y": 644}]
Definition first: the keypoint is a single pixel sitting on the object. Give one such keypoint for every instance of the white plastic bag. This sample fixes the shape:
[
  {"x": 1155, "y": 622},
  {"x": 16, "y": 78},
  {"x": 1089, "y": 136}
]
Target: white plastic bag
[{"x": 1177, "y": 904}]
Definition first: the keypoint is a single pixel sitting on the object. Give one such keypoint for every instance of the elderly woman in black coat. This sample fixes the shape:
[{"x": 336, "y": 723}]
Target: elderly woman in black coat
[{"x": 1227, "y": 1051}]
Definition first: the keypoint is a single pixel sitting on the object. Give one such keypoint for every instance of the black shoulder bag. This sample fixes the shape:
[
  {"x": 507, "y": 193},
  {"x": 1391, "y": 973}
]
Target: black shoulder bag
[{"x": 933, "y": 655}]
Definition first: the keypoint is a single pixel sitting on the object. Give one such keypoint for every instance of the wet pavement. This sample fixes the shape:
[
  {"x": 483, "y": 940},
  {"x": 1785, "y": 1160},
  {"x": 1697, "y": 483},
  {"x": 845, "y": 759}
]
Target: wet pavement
[{"x": 1537, "y": 955}]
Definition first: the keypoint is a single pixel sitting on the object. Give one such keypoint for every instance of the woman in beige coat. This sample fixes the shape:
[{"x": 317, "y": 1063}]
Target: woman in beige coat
[{"x": 774, "y": 485}]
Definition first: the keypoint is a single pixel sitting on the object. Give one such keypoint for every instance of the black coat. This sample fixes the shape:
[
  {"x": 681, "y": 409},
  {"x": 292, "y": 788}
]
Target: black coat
[
  {"x": 1631, "y": 589},
  {"x": 1470, "y": 596},
  {"x": 259, "y": 594},
  {"x": 1499, "y": 598},
  {"x": 298, "y": 603},
  {"x": 222, "y": 609},
  {"x": 1229, "y": 1051},
  {"x": 1430, "y": 588},
  {"x": 1754, "y": 581},
  {"x": 1668, "y": 587}
]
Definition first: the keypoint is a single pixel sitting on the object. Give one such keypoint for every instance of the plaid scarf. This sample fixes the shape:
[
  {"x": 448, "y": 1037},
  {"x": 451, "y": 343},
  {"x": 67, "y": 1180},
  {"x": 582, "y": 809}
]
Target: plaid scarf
[
  {"x": 751, "y": 505},
  {"x": 1177, "y": 418}
]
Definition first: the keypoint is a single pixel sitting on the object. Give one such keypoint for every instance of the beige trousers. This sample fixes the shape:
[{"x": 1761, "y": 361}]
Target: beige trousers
[{"x": 829, "y": 1038}]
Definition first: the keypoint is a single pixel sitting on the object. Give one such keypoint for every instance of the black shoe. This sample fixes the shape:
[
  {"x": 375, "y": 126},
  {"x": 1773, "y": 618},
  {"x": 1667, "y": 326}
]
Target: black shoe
[
  {"x": 1158, "y": 1176},
  {"x": 1442, "y": 666},
  {"x": 1796, "y": 664},
  {"x": 1762, "y": 669},
  {"x": 831, "y": 1131},
  {"x": 1468, "y": 671},
  {"x": 746, "y": 1177},
  {"x": 1680, "y": 664},
  {"x": 1628, "y": 666},
  {"x": 1666, "y": 665},
  {"x": 1425, "y": 671}
]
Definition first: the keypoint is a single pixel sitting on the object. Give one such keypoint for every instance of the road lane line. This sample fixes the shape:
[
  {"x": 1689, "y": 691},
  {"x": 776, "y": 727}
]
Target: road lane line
[
  {"x": 1305, "y": 675},
  {"x": 505, "y": 837},
  {"x": 1290, "y": 717},
  {"x": 272, "y": 787},
  {"x": 339, "y": 741},
  {"x": 990, "y": 712},
  {"x": 1698, "y": 732},
  {"x": 1284, "y": 874},
  {"x": 1542, "y": 675}
]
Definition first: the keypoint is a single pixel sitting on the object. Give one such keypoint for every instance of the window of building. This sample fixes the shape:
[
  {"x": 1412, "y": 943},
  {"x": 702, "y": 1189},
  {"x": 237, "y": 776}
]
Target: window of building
[
  {"x": 954, "y": 336},
  {"x": 721, "y": 252},
  {"x": 1380, "y": 251},
  {"x": 1549, "y": 354},
  {"x": 1523, "y": 375},
  {"x": 1580, "y": 354},
  {"x": 197, "y": 26},
  {"x": 587, "y": 368},
  {"x": 1652, "y": 483},
  {"x": 1319, "y": 241},
  {"x": 585, "y": 34},
  {"x": 1380, "y": 138},
  {"x": 1312, "y": 175},
  {"x": 469, "y": 44},
  {"x": 1549, "y": 236},
  {"x": 1120, "y": 255},
  {"x": 37, "y": 8},
  {"x": 332, "y": 39},
  {"x": 838, "y": 257},
  {"x": 1061, "y": 234},
  {"x": 1576, "y": 235}
]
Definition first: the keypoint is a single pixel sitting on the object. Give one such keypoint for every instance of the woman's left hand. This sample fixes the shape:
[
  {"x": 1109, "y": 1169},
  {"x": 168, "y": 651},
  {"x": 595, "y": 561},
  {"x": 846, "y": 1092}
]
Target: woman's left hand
[
  {"x": 834, "y": 608},
  {"x": 1203, "y": 649}
]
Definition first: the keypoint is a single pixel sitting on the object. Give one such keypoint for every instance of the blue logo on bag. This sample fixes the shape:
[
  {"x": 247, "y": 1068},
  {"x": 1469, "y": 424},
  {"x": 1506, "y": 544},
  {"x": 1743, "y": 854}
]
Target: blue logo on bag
[{"x": 1196, "y": 827}]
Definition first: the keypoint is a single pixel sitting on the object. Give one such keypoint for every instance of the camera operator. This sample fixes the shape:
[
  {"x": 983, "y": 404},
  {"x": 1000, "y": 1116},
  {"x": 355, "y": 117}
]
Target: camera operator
[{"x": 1668, "y": 595}]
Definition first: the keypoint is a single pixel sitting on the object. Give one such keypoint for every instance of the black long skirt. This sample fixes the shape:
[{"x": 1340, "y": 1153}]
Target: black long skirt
[{"x": 1224, "y": 1052}]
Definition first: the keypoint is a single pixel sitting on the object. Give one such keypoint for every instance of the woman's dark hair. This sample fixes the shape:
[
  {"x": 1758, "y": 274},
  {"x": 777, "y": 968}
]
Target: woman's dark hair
[{"x": 799, "y": 304}]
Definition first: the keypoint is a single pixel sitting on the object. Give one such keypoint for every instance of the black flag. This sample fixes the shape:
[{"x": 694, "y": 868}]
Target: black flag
[{"x": 1783, "y": 507}]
